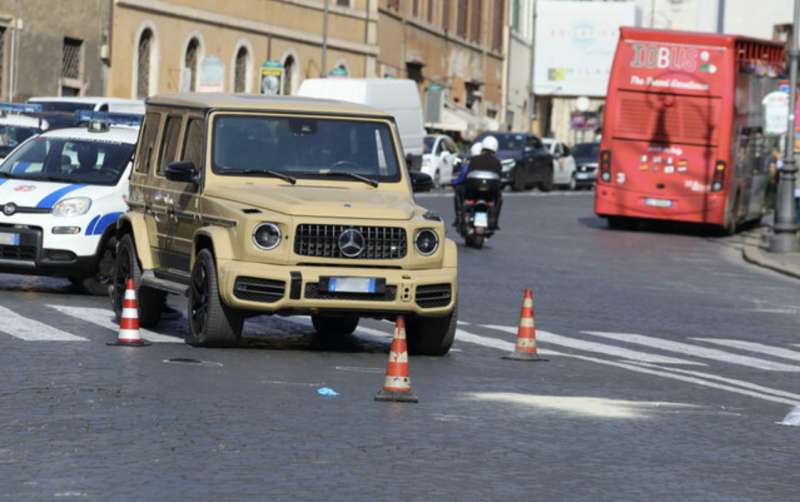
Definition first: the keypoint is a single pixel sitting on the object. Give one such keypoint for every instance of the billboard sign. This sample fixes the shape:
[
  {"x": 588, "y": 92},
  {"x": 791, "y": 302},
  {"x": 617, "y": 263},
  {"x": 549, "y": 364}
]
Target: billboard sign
[
  {"x": 575, "y": 44},
  {"x": 272, "y": 74}
]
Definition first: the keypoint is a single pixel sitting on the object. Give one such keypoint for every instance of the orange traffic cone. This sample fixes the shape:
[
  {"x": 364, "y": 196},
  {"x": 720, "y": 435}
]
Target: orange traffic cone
[
  {"x": 397, "y": 386},
  {"x": 129, "y": 323},
  {"x": 526, "y": 333}
]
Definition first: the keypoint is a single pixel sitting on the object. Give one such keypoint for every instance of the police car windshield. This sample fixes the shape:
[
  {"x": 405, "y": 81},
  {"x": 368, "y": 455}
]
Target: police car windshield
[
  {"x": 304, "y": 147},
  {"x": 68, "y": 160}
]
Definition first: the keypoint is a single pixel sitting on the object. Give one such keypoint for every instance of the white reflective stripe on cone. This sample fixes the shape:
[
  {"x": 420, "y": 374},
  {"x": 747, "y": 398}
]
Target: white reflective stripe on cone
[
  {"x": 398, "y": 358},
  {"x": 526, "y": 322},
  {"x": 130, "y": 294},
  {"x": 129, "y": 334},
  {"x": 396, "y": 382},
  {"x": 526, "y": 343},
  {"x": 130, "y": 314}
]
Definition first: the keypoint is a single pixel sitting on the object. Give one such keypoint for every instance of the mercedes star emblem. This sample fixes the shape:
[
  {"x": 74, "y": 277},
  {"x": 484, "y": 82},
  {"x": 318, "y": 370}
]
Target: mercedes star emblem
[
  {"x": 9, "y": 209},
  {"x": 351, "y": 243}
]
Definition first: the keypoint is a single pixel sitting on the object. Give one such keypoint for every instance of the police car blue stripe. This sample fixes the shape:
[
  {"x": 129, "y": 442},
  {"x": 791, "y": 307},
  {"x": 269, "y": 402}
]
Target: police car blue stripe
[
  {"x": 90, "y": 227},
  {"x": 3, "y": 180},
  {"x": 21, "y": 167},
  {"x": 49, "y": 201},
  {"x": 104, "y": 222}
]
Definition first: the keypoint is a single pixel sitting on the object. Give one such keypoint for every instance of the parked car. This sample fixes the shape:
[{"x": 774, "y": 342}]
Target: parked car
[
  {"x": 563, "y": 163},
  {"x": 17, "y": 125},
  {"x": 526, "y": 161},
  {"x": 586, "y": 158},
  {"x": 397, "y": 97},
  {"x": 439, "y": 159}
]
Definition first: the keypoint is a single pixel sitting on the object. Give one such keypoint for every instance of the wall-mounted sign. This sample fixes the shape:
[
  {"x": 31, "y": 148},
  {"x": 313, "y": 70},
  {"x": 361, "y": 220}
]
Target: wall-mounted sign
[
  {"x": 272, "y": 78},
  {"x": 211, "y": 77},
  {"x": 776, "y": 112}
]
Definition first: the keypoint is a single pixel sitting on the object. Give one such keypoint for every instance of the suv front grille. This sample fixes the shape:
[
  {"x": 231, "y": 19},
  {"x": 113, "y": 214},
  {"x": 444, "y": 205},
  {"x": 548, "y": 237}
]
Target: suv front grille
[
  {"x": 380, "y": 243},
  {"x": 259, "y": 290},
  {"x": 434, "y": 295}
]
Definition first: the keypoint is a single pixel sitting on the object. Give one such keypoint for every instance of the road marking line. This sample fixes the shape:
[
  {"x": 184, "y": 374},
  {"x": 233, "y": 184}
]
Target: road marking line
[
  {"x": 792, "y": 418},
  {"x": 754, "y": 347},
  {"x": 599, "y": 348},
  {"x": 104, "y": 319},
  {"x": 696, "y": 351},
  {"x": 662, "y": 372},
  {"x": 33, "y": 331}
]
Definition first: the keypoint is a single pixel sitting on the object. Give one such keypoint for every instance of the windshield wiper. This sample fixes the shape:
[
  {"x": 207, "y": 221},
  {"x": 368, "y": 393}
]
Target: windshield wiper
[
  {"x": 262, "y": 172},
  {"x": 369, "y": 181}
]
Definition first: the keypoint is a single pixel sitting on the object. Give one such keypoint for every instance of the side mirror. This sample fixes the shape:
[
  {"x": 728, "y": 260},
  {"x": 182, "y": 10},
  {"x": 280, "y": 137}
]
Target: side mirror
[
  {"x": 181, "y": 171},
  {"x": 420, "y": 182}
]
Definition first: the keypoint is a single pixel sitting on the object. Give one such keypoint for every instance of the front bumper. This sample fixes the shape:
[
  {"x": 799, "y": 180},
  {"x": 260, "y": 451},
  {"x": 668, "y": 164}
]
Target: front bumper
[
  {"x": 295, "y": 290},
  {"x": 27, "y": 254}
]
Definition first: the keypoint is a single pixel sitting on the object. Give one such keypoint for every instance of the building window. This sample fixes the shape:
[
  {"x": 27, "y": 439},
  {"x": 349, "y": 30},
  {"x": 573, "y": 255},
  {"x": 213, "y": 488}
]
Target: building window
[
  {"x": 446, "y": 16},
  {"x": 497, "y": 33},
  {"x": 415, "y": 8},
  {"x": 461, "y": 18},
  {"x": 240, "y": 70},
  {"x": 288, "y": 70},
  {"x": 414, "y": 72},
  {"x": 475, "y": 20},
  {"x": 190, "y": 62},
  {"x": 473, "y": 92},
  {"x": 143, "y": 64},
  {"x": 515, "y": 15},
  {"x": 343, "y": 3},
  {"x": 72, "y": 67},
  {"x": 394, "y": 4},
  {"x": 430, "y": 11}
]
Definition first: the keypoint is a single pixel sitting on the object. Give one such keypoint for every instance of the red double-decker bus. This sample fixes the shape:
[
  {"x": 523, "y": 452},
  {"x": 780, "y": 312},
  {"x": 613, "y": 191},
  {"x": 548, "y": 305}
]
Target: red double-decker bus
[{"x": 683, "y": 136}]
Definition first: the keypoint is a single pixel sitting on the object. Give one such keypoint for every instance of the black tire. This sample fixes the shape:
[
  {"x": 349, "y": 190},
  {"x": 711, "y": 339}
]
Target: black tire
[
  {"x": 211, "y": 323},
  {"x": 474, "y": 241},
  {"x": 335, "y": 326},
  {"x": 619, "y": 223},
  {"x": 431, "y": 336},
  {"x": 518, "y": 181},
  {"x": 99, "y": 284},
  {"x": 150, "y": 301}
]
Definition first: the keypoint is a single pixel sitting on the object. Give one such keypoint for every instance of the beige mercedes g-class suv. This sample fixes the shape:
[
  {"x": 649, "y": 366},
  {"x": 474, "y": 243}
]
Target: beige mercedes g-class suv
[{"x": 252, "y": 205}]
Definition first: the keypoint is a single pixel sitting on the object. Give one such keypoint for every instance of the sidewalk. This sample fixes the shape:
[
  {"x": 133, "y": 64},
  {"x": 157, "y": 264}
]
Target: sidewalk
[{"x": 755, "y": 250}]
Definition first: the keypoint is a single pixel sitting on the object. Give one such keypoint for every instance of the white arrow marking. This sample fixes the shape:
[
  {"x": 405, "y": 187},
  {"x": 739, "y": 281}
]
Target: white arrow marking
[{"x": 30, "y": 330}]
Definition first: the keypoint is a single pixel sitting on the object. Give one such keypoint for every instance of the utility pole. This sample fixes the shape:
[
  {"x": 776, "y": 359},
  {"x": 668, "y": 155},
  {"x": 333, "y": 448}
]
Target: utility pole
[
  {"x": 720, "y": 16},
  {"x": 324, "y": 62},
  {"x": 784, "y": 238}
]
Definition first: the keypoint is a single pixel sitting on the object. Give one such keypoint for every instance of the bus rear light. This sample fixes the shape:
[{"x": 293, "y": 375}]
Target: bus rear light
[
  {"x": 605, "y": 165},
  {"x": 718, "y": 178}
]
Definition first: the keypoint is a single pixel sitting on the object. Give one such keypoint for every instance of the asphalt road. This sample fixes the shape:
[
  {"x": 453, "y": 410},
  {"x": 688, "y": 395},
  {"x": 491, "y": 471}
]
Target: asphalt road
[{"x": 670, "y": 362}]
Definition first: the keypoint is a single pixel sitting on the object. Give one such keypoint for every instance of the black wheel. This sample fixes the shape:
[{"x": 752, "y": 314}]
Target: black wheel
[
  {"x": 518, "y": 181},
  {"x": 335, "y": 326},
  {"x": 474, "y": 241},
  {"x": 99, "y": 283},
  {"x": 211, "y": 323},
  {"x": 431, "y": 336},
  {"x": 150, "y": 301},
  {"x": 619, "y": 223}
]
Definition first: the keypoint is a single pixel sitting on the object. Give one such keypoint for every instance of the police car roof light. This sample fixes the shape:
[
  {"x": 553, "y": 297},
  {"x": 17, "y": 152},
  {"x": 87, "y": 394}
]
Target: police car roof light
[
  {"x": 20, "y": 108},
  {"x": 107, "y": 118}
]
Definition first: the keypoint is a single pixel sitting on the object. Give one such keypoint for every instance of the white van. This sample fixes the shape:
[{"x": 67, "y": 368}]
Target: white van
[
  {"x": 66, "y": 104},
  {"x": 398, "y": 97}
]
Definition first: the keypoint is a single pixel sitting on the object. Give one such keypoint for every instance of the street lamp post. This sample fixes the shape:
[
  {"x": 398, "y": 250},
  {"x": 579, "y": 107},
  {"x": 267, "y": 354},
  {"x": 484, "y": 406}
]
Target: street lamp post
[
  {"x": 784, "y": 239},
  {"x": 324, "y": 62}
]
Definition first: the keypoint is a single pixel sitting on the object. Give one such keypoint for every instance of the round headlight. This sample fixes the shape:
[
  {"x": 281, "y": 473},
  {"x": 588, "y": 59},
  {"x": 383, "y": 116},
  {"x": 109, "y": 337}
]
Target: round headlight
[
  {"x": 426, "y": 242},
  {"x": 267, "y": 236}
]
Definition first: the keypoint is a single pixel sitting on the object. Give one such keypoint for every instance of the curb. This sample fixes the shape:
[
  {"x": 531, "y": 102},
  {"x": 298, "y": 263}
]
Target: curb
[{"x": 753, "y": 254}]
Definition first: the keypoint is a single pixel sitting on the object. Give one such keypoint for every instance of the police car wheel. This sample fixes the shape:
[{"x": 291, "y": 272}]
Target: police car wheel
[
  {"x": 98, "y": 284},
  {"x": 432, "y": 336},
  {"x": 211, "y": 323},
  {"x": 150, "y": 301}
]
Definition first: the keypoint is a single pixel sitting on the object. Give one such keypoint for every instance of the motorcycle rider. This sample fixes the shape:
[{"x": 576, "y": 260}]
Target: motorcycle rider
[
  {"x": 458, "y": 183},
  {"x": 486, "y": 161}
]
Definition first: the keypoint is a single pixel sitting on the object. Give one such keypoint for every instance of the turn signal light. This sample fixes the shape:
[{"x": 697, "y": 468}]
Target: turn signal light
[{"x": 718, "y": 179}]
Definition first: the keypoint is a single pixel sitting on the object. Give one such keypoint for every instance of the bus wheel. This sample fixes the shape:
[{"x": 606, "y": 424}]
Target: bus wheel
[{"x": 618, "y": 223}]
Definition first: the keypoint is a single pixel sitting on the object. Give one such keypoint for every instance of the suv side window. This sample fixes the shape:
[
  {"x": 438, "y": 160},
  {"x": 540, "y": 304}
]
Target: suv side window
[
  {"x": 193, "y": 142},
  {"x": 147, "y": 142},
  {"x": 169, "y": 143},
  {"x": 533, "y": 142}
]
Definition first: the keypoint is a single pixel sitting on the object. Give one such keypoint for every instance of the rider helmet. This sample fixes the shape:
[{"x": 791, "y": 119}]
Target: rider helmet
[
  {"x": 475, "y": 149},
  {"x": 490, "y": 143}
]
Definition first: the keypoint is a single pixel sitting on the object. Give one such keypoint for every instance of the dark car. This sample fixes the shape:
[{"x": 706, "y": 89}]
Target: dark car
[
  {"x": 586, "y": 157},
  {"x": 526, "y": 161}
]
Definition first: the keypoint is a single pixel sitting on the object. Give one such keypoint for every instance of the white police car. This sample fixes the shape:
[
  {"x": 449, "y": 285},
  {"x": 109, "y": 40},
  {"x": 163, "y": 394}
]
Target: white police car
[
  {"x": 16, "y": 126},
  {"x": 60, "y": 194}
]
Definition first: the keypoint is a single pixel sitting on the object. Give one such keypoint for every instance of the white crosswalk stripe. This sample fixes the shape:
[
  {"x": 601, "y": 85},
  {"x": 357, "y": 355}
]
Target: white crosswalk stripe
[
  {"x": 598, "y": 348},
  {"x": 104, "y": 318},
  {"x": 695, "y": 351},
  {"x": 31, "y": 330},
  {"x": 754, "y": 347}
]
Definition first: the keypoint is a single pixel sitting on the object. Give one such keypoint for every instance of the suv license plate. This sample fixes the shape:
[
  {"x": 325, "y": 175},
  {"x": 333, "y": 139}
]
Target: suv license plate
[
  {"x": 352, "y": 285},
  {"x": 658, "y": 202},
  {"x": 481, "y": 220},
  {"x": 9, "y": 239}
]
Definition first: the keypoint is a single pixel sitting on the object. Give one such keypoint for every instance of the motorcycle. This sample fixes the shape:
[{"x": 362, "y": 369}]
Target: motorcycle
[{"x": 481, "y": 191}]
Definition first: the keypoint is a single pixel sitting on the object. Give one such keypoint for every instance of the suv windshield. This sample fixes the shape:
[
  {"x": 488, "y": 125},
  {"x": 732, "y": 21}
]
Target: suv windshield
[
  {"x": 69, "y": 161},
  {"x": 304, "y": 147},
  {"x": 586, "y": 152}
]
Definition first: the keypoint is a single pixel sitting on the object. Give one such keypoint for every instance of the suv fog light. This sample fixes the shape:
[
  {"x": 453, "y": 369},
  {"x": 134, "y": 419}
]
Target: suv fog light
[
  {"x": 426, "y": 242},
  {"x": 267, "y": 236},
  {"x": 66, "y": 230}
]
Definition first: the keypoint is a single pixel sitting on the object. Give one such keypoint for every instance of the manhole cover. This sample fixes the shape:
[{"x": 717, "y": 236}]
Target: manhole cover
[{"x": 192, "y": 362}]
